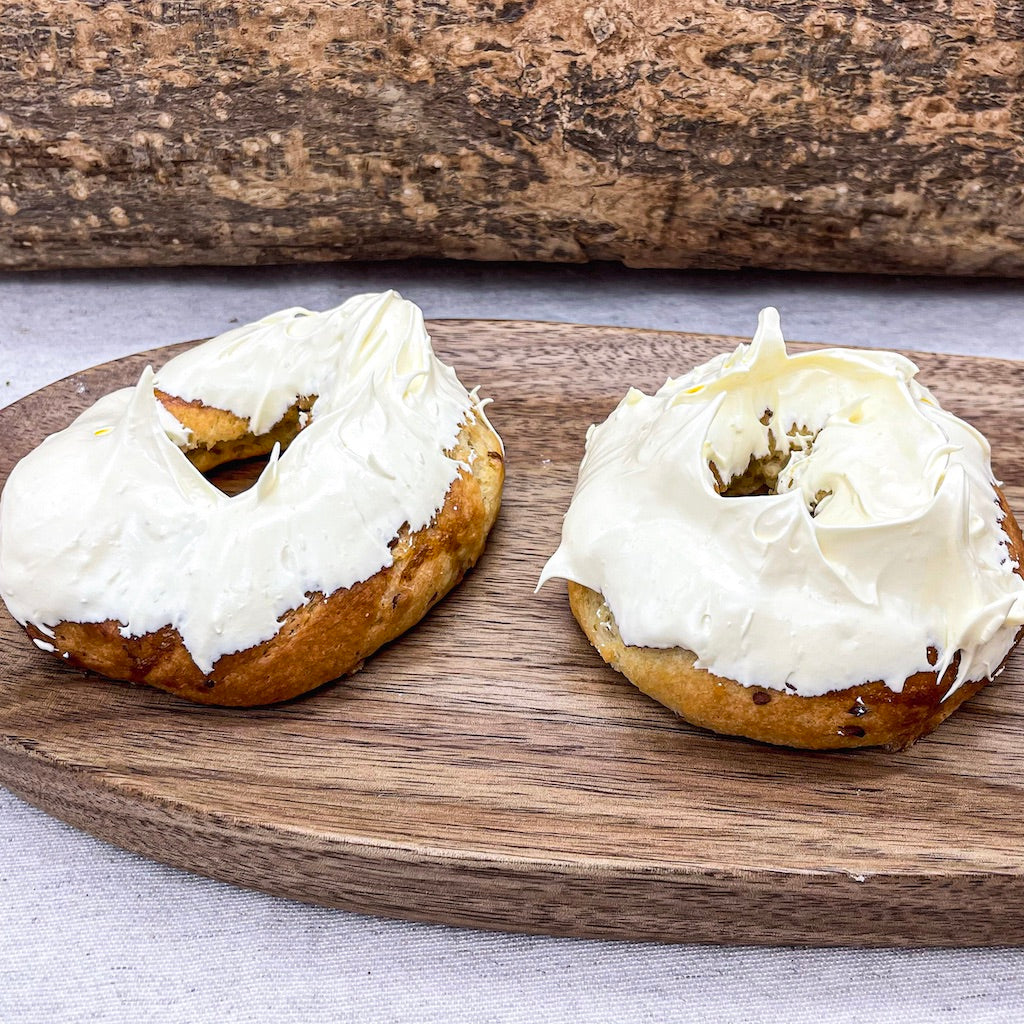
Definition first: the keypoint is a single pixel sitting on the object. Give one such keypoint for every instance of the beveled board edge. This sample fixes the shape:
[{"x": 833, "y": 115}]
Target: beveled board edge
[{"x": 597, "y": 899}]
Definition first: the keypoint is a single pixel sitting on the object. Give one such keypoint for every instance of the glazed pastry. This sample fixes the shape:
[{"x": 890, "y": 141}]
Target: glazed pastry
[
  {"x": 805, "y": 550},
  {"x": 119, "y": 556}
]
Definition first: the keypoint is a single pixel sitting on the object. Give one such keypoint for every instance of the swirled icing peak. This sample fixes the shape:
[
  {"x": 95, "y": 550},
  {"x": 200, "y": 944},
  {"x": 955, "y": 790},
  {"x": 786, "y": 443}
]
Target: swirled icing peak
[
  {"x": 805, "y": 522},
  {"x": 107, "y": 519}
]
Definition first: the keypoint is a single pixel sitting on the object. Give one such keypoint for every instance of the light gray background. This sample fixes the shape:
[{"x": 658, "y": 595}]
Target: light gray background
[{"x": 88, "y": 932}]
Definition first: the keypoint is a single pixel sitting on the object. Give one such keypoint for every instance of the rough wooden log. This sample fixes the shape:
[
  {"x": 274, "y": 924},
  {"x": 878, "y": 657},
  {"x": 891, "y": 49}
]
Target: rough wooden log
[{"x": 846, "y": 135}]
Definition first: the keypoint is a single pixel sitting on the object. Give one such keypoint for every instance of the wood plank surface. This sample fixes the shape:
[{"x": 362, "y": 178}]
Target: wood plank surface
[
  {"x": 812, "y": 134},
  {"x": 489, "y": 770}
]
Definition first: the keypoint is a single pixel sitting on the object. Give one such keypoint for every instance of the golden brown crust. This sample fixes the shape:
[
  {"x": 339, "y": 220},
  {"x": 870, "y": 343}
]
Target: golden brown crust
[
  {"x": 219, "y": 436},
  {"x": 329, "y": 636},
  {"x": 862, "y": 716}
]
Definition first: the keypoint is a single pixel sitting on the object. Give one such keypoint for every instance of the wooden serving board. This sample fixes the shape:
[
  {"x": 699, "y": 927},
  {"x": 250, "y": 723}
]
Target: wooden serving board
[{"x": 488, "y": 770}]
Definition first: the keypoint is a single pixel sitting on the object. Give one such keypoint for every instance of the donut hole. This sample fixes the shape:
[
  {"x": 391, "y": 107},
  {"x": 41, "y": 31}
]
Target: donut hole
[
  {"x": 233, "y": 457},
  {"x": 238, "y": 475},
  {"x": 761, "y": 475}
]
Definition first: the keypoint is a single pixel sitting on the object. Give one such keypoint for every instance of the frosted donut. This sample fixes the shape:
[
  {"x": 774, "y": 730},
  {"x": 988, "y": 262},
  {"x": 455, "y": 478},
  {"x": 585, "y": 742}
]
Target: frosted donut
[
  {"x": 804, "y": 550},
  {"x": 119, "y": 556}
]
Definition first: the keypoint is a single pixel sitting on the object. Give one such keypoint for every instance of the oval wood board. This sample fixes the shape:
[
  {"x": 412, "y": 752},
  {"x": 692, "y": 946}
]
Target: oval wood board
[{"x": 488, "y": 770}]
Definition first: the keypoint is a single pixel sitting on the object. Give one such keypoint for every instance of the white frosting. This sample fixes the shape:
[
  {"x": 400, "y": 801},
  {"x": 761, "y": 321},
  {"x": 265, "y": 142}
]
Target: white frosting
[
  {"x": 108, "y": 519},
  {"x": 903, "y": 553}
]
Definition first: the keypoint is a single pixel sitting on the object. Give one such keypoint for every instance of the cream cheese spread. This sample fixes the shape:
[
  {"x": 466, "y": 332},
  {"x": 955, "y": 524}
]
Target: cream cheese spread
[
  {"x": 108, "y": 520},
  {"x": 879, "y": 551}
]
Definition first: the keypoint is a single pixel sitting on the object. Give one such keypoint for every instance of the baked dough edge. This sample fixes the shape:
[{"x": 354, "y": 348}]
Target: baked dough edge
[{"x": 860, "y": 716}]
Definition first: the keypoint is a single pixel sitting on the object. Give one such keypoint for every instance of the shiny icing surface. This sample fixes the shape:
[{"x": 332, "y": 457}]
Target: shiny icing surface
[
  {"x": 880, "y": 544},
  {"x": 107, "y": 519}
]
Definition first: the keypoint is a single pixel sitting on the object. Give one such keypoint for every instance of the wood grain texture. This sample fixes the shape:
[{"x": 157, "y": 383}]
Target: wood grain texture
[
  {"x": 489, "y": 770},
  {"x": 850, "y": 135}
]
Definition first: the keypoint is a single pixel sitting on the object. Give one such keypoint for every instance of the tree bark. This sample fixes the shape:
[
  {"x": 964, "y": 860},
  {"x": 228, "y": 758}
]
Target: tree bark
[{"x": 851, "y": 135}]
